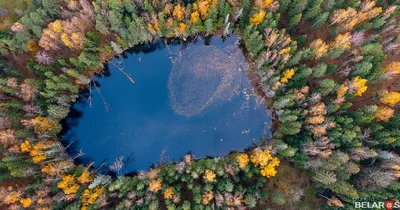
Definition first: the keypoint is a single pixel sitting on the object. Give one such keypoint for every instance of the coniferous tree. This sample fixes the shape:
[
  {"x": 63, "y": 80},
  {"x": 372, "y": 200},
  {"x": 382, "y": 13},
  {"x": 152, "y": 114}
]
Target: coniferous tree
[
  {"x": 101, "y": 25},
  {"x": 325, "y": 177},
  {"x": 163, "y": 26},
  {"x": 362, "y": 69},
  {"x": 321, "y": 19},
  {"x": 246, "y": 5},
  {"x": 284, "y": 5},
  {"x": 295, "y": 20},
  {"x": 209, "y": 25},
  {"x": 328, "y": 5},
  {"x": 52, "y": 7},
  {"x": 57, "y": 112},
  {"x": 313, "y": 10},
  {"x": 364, "y": 115},
  {"x": 147, "y": 6},
  {"x": 58, "y": 84},
  {"x": 326, "y": 86},
  {"x": 18, "y": 165},
  {"x": 35, "y": 21},
  {"x": 344, "y": 188},
  {"x": 278, "y": 198},
  {"x": 320, "y": 70},
  {"x": 297, "y": 7},
  {"x": 253, "y": 40}
]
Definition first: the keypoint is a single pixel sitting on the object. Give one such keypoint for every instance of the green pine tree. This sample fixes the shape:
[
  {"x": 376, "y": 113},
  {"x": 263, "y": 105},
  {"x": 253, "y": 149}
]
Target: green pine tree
[{"x": 295, "y": 20}]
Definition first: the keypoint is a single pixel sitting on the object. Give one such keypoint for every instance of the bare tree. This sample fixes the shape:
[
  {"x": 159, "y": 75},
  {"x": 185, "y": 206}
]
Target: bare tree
[{"x": 117, "y": 165}]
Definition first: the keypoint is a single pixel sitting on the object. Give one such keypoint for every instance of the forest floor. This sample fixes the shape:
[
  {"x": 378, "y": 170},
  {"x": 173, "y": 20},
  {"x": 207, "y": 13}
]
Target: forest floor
[{"x": 292, "y": 182}]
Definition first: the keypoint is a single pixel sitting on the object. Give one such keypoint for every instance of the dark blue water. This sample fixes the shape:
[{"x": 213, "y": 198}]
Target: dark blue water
[{"x": 180, "y": 103}]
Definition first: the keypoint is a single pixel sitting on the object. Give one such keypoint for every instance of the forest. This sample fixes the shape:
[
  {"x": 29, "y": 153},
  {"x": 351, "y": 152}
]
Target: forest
[{"x": 327, "y": 69}]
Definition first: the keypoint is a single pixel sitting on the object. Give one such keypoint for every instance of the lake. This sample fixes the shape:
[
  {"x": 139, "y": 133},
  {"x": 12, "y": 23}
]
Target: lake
[{"x": 189, "y": 97}]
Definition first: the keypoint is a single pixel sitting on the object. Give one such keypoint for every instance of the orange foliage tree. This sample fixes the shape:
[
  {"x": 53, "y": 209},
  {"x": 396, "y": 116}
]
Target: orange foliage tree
[
  {"x": 320, "y": 48},
  {"x": 155, "y": 185},
  {"x": 178, "y": 12},
  {"x": 390, "y": 98},
  {"x": 204, "y": 7},
  {"x": 181, "y": 28},
  {"x": 169, "y": 193},
  {"x": 393, "y": 67},
  {"x": 349, "y": 18},
  {"x": 194, "y": 17},
  {"x": 40, "y": 124},
  {"x": 342, "y": 41},
  {"x": 383, "y": 113}
]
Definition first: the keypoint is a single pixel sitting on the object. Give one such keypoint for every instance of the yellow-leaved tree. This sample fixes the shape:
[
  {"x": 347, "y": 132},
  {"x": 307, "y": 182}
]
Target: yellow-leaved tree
[
  {"x": 288, "y": 74},
  {"x": 68, "y": 184},
  {"x": 178, "y": 12},
  {"x": 169, "y": 193},
  {"x": 204, "y": 7},
  {"x": 320, "y": 48},
  {"x": 257, "y": 18},
  {"x": 209, "y": 176},
  {"x": 383, "y": 113},
  {"x": 181, "y": 28},
  {"x": 242, "y": 160},
  {"x": 342, "y": 41},
  {"x": 194, "y": 17},
  {"x": 360, "y": 85},
  {"x": 264, "y": 160},
  {"x": 89, "y": 196},
  {"x": 393, "y": 68},
  {"x": 26, "y": 202},
  {"x": 390, "y": 98},
  {"x": 56, "y": 26}
]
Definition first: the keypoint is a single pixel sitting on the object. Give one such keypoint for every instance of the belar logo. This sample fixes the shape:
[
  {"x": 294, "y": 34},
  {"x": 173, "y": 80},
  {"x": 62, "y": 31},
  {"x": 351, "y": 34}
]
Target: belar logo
[{"x": 388, "y": 205}]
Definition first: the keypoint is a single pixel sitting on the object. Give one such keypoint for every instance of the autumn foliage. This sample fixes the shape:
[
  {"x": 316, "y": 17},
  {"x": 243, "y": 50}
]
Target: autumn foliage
[
  {"x": 288, "y": 74},
  {"x": 390, "y": 98},
  {"x": 68, "y": 184},
  {"x": 40, "y": 124},
  {"x": 348, "y": 18},
  {"x": 258, "y": 18},
  {"x": 360, "y": 85},
  {"x": 265, "y": 161},
  {"x": 320, "y": 48},
  {"x": 383, "y": 113}
]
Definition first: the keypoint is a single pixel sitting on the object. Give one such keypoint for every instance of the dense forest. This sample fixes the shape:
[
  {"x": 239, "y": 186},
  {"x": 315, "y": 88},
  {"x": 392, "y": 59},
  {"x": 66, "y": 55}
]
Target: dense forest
[{"x": 328, "y": 70}]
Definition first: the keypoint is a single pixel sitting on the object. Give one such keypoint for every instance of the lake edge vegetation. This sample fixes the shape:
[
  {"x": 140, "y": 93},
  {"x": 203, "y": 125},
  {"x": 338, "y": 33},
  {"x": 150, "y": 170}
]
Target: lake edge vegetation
[{"x": 327, "y": 69}]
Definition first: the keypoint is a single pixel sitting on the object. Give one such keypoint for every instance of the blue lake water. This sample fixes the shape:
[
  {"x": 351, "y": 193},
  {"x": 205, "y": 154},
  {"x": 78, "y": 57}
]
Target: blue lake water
[{"x": 187, "y": 98}]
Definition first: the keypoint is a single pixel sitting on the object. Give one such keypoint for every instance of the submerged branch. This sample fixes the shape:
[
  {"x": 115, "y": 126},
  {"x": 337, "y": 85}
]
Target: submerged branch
[
  {"x": 90, "y": 95},
  {"x": 126, "y": 74},
  {"x": 106, "y": 105}
]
